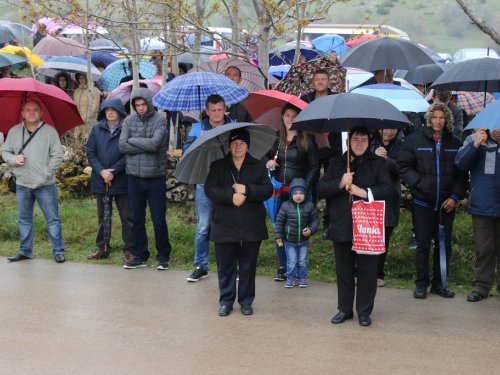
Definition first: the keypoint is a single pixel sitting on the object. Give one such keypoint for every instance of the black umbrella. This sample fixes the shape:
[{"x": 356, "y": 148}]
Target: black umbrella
[
  {"x": 478, "y": 75},
  {"x": 106, "y": 219},
  {"x": 194, "y": 165},
  {"x": 342, "y": 112},
  {"x": 386, "y": 53},
  {"x": 422, "y": 75}
]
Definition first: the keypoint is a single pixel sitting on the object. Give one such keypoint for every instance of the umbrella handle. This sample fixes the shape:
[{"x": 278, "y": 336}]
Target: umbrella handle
[{"x": 108, "y": 184}]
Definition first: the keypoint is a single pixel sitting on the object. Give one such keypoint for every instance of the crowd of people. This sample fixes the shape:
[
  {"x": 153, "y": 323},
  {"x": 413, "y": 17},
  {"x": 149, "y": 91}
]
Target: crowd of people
[{"x": 127, "y": 154}]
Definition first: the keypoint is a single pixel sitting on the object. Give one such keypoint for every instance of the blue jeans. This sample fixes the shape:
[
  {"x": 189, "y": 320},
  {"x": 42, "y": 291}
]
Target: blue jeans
[
  {"x": 152, "y": 191},
  {"x": 204, "y": 216},
  {"x": 282, "y": 255},
  {"x": 296, "y": 254},
  {"x": 46, "y": 196}
]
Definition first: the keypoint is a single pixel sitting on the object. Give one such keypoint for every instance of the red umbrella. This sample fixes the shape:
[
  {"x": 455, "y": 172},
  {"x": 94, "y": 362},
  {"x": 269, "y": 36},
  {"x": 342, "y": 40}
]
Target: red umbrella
[
  {"x": 227, "y": 56},
  {"x": 265, "y": 108},
  {"x": 361, "y": 38},
  {"x": 59, "y": 110}
]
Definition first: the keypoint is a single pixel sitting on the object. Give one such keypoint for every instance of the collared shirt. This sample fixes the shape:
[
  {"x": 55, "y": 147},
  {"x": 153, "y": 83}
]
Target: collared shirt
[{"x": 111, "y": 129}]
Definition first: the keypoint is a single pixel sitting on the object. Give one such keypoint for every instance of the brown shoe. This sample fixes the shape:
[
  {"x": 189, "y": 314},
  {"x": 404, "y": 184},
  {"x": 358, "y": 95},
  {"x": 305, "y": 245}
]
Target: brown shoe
[
  {"x": 98, "y": 255},
  {"x": 128, "y": 258},
  {"x": 380, "y": 283}
]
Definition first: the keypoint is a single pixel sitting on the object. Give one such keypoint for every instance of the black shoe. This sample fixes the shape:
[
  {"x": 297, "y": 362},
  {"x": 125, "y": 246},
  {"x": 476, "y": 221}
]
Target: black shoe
[
  {"x": 246, "y": 309},
  {"x": 365, "y": 321},
  {"x": 225, "y": 310},
  {"x": 341, "y": 317},
  {"x": 413, "y": 243},
  {"x": 17, "y": 257},
  {"x": 281, "y": 274},
  {"x": 443, "y": 292},
  {"x": 134, "y": 263},
  {"x": 326, "y": 232},
  {"x": 198, "y": 274},
  {"x": 59, "y": 258},
  {"x": 474, "y": 296},
  {"x": 420, "y": 293},
  {"x": 162, "y": 264}
]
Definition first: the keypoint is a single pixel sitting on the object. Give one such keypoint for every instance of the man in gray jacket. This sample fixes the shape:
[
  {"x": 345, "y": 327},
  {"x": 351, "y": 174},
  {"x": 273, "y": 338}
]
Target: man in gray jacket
[
  {"x": 144, "y": 140},
  {"x": 35, "y": 164}
]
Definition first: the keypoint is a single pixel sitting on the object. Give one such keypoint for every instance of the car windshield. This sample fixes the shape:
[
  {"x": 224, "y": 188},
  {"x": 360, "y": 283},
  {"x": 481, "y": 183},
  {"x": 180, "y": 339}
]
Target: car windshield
[{"x": 479, "y": 54}]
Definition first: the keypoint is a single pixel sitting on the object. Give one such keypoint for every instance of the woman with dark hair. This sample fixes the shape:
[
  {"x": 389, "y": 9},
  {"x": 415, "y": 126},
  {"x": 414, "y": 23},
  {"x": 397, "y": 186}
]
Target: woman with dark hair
[
  {"x": 368, "y": 173},
  {"x": 64, "y": 82},
  {"x": 238, "y": 185},
  {"x": 294, "y": 155}
]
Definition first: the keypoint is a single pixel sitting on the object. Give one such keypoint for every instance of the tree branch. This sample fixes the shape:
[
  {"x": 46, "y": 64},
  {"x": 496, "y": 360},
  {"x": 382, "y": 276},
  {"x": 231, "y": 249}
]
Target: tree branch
[{"x": 485, "y": 27}]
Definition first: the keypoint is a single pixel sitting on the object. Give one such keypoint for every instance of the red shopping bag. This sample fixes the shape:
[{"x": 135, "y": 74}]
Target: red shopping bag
[{"x": 368, "y": 227}]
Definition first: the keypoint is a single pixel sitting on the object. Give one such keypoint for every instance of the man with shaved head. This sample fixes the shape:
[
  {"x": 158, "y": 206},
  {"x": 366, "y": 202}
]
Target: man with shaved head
[{"x": 34, "y": 150}]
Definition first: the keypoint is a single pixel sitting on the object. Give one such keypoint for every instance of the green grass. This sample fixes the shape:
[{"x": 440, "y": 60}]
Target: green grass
[{"x": 80, "y": 224}]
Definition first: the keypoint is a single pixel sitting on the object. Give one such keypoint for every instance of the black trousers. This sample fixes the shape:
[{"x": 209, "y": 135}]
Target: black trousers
[
  {"x": 123, "y": 205},
  {"x": 382, "y": 257},
  {"x": 427, "y": 228},
  {"x": 346, "y": 260},
  {"x": 244, "y": 255}
]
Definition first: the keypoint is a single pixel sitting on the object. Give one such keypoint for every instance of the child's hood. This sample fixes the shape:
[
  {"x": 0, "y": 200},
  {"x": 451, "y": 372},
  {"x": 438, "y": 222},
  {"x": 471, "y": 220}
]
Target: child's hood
[{"x": 297, "y": 182}]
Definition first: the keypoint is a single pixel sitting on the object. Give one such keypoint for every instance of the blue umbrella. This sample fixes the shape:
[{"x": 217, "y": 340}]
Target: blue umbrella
[
  {"x": 488, "y": 118},
  {"x": 189, "y": 91},
  {"x": 68, "y": 64},
  {"x": 105, "y": 58},
  {"x": 285, "y": 55},
  {"x": 273, "y": 204},
  {"x": 279, "y": 70},
  {"x": 204, "y": 39},
  {"x": 406, "y": 100},
  {"x": 330, "y": 42},
  {"x": 15, "y": 61},
  {"x": 111, "y": 77}
]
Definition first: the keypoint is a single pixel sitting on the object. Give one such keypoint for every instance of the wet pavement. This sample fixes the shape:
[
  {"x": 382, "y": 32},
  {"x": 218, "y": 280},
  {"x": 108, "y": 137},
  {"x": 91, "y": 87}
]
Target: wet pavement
[{"x": 79, "y": 318}]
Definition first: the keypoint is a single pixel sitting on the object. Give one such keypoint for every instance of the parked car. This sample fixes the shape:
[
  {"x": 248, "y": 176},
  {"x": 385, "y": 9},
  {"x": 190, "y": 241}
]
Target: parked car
[
  {"x": 446, "y": 57},
  {"x": 465, "y": 54}
]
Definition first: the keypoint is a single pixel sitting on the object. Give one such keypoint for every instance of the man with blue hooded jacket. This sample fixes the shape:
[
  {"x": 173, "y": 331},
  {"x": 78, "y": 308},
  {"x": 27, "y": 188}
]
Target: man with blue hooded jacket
[
  {"x": 108, "y": 168},
  {"x": 480, "y": 154},
  {"x": 215, "y": 109}
]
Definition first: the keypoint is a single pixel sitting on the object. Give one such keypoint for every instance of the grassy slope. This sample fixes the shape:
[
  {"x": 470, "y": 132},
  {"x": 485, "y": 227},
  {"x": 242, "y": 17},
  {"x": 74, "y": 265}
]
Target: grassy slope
[{"x": 80, "y": 224}]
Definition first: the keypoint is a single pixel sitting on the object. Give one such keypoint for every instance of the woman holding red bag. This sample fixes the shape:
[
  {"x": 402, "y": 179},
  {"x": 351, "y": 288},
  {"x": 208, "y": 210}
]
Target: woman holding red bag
[{"x": 368, "y": 172}]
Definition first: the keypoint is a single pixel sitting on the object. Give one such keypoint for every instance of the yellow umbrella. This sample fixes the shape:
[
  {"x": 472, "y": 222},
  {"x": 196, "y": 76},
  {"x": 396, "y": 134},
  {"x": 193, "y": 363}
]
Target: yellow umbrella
[{"x": 25, "y": 52}]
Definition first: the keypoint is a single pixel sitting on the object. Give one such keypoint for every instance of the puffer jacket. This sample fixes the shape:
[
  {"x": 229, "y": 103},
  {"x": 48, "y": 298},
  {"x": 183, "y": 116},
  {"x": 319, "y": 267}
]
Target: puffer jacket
[
  {"x": 246, "y": 223},
  {"x": 44, "y": 155},
  {"x": 293, "y": 218},
  {"x": 431, "y": 175},
  {"x": 393, "y": 203},
  {"x": 371, "y": 173},
  {"x": 484, "y": 166},
  {"x": 294, "y": 164},
  {"x": 81, "y": 98},
  {"x": 103, "y": 151},
  {"x": 144, "y": 140}
]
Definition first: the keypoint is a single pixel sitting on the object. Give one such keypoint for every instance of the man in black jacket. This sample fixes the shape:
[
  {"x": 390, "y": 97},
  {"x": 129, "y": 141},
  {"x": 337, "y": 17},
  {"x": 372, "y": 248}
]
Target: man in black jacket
[
  {"x": 426, "y": 164},
  {"x": 321, "y": 83}
]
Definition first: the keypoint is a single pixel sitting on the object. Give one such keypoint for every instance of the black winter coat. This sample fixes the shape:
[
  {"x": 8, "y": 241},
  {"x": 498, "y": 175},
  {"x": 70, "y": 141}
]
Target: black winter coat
[
  {"x": 393, "y": 203},
  {"x": 293, "y": 218},
  {"x": 246, "y": 223},
  {"x": 431, "y": 180},
  {"x": 370, "y": 173},
  {"x": 294, "y": 164}
]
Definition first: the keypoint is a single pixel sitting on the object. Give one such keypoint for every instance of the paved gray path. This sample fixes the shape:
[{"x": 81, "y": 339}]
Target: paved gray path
[{"x": 79, "y": 318}]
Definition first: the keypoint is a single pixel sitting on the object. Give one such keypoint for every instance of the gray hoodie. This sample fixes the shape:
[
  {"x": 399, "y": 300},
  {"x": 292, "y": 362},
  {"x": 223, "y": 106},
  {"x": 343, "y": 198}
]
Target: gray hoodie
[
  {"x": 44, "y": 155},
  {"x": 144, "y": 140}
]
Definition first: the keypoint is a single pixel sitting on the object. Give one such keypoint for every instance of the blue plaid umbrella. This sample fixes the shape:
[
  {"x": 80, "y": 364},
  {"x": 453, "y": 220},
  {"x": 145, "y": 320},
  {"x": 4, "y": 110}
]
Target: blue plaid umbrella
[
  {"x": 330, "y": 42},
  {"x": 189, "y": 91},
  {"x": 273, "y": 204},
  {"x": 110, "y": 78},
  {"x": 15, "y": 61}
]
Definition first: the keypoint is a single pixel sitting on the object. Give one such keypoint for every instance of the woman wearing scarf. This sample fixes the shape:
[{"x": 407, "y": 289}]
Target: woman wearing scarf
[{"x": 368, "y": 171}]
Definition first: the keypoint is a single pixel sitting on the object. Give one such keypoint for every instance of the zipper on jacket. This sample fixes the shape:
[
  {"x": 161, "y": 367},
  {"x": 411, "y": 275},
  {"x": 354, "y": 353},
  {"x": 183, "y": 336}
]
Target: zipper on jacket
[
  {"x": 288, "y": 232},
  {"x": 438, "y": 154},
  {"x": 284, "y": 171},
  {"x": 300, "y": 226}
]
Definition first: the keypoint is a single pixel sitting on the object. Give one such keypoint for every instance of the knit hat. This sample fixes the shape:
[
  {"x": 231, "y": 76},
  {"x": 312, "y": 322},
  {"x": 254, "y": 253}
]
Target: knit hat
[
  {"x": 239, "y": 134},
  {"x": 298, "y": 188}
]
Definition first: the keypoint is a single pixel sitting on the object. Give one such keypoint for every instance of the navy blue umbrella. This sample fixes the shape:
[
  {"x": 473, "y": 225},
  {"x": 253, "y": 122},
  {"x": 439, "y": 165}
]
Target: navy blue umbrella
[{"x": 286, "y": 54}]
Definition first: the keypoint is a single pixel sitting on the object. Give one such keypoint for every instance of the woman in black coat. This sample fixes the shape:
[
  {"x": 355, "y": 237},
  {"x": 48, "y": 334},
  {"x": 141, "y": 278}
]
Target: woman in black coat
[
  {"x": 238, "y": 185},
  {"x": 368, "y": 171},
  {"x": 294, "y": 155}
]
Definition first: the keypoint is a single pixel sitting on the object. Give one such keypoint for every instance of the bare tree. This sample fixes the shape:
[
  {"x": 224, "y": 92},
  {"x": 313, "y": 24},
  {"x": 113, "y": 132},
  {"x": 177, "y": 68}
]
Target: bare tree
[{"x": 484, "y": 26}]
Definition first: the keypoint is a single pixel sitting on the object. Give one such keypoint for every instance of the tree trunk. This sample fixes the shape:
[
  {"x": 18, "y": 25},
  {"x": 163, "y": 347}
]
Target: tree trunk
[
  {"x": 200, "y": 13},
  {"x": 235, "y": 26},
  {"x": 485, "y": 27}
]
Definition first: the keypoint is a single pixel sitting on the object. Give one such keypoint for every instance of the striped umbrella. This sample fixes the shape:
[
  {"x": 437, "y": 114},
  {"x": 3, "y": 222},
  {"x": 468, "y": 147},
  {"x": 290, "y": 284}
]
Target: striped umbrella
[
  {"x": 111, "y": 77},
  {"x": 189, "y": 91},
  {"x": 57, "y": 64}
]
